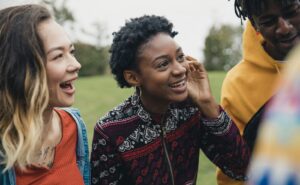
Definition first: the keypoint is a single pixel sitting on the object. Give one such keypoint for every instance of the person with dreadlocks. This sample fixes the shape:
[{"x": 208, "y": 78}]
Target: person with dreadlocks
[{"x": 271, "y": 32}]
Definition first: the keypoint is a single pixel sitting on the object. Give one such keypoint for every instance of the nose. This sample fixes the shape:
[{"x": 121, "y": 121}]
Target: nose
[
  {"x": 283, "y": 27},
  {"x": 179, "y": 68},
  {"x": 74, "y": 65}
]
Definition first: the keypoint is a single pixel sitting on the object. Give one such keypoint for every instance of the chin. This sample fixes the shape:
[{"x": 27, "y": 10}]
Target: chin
[
  {"x": 63, "y": 104},
  {"x": 180, "y": 98},
  {"x": 68, "y": 104}
]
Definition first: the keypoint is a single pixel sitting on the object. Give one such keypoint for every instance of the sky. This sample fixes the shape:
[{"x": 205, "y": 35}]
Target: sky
[{"x": 191, "y": 18}]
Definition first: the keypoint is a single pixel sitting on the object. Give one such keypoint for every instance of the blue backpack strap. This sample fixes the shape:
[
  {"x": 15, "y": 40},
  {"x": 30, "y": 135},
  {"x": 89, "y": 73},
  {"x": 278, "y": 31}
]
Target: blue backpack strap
[
  {"x": 8, "y": 177},
  {"x": 82, "y": 150}
]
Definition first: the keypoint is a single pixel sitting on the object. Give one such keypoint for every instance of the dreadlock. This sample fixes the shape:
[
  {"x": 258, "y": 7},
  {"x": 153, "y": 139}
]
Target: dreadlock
[{"x": 247, "y": 8}]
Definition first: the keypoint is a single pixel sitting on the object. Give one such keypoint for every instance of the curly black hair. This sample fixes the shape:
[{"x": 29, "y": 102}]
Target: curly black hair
[
  {"x": 247, "y": 8},
  {"x": 128, "y": 40}
]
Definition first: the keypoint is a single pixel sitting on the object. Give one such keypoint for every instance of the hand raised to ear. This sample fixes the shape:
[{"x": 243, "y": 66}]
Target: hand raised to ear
[
  {"x": 198, "y": 84},
  {"x": 199, "y": 88}
]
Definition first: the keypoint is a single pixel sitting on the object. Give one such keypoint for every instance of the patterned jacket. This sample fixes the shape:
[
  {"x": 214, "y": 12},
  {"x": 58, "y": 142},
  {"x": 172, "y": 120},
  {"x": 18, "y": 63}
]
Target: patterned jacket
[{"x": 132, "y": 146}]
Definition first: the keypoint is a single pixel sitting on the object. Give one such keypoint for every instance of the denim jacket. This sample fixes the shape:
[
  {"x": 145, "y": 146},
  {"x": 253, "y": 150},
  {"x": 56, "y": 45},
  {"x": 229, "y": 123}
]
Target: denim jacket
[{"x": 82, "y": 153}]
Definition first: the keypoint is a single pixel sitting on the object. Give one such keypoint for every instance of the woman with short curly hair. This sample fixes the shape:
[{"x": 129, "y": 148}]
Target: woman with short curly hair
[{"x": 155, "y": 136}]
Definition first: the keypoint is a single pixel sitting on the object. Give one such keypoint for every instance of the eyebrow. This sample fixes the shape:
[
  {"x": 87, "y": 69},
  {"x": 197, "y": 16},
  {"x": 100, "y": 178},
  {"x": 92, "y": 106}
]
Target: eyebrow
[
  {"x": 59, "y": 48},
  {"x": 164, "y": 56}
]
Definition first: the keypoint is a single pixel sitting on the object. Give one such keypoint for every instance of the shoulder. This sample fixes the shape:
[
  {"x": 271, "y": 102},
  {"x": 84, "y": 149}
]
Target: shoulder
[
  {"x": 124, "y": 113},
  {"x": 234, "y": 73},
  {"x": 75, "y": 114},
  {"x": 71, "y": 110},
  {"x": 121, "y": 121}
]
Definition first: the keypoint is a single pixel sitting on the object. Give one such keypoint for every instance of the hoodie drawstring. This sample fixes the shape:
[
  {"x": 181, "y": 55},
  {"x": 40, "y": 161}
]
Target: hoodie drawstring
[{"x": 277, "y": 69}]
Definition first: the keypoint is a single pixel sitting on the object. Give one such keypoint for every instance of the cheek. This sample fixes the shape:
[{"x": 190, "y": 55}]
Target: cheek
[
  {"x": 53, "y": 80},
  {"x": 185, "y": 64},
  {"x": 54, "y": 74},
  {"x": 297, "y": 26}
]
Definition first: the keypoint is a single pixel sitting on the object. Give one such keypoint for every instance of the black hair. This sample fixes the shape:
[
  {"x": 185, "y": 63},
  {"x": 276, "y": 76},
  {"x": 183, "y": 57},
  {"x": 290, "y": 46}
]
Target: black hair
[
  {"x": 247, "y": 8},
  {"x": 128, "y": 40}
]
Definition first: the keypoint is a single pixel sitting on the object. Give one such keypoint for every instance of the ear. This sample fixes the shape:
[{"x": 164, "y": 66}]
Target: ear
[{"x": 131, "y": 77}]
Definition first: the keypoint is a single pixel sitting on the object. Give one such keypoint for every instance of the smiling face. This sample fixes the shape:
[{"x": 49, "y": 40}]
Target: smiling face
[
  {"x": 162, "y": 74},
  {"x": 280, "y": 26},
  {"x": 61, "y": 66}
]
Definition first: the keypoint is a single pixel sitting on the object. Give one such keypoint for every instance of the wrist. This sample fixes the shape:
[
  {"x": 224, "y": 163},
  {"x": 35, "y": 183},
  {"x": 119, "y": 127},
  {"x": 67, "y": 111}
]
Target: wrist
[{"x": 209, "y": 109}]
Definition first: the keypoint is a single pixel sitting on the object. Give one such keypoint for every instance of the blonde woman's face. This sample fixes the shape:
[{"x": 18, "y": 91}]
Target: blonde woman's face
[{"x": 61, "y": 67}]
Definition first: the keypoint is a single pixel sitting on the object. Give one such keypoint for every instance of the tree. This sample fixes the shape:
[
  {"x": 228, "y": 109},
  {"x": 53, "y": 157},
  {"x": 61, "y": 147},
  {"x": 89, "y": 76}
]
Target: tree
[
  {"x": 61, "y": 13},
  {"x": 93, "y": 57},
  {"x": 94, "y": 60},
  {"x": 222, "y": 47}
]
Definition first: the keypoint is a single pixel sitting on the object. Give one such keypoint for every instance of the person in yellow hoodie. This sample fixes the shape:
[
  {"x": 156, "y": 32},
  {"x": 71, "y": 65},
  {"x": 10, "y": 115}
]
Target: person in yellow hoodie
[{"x": 271, "y": 32}]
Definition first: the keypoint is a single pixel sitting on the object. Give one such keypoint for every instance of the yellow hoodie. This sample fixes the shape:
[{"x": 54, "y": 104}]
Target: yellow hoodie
[{"x": 248, "y": 85}]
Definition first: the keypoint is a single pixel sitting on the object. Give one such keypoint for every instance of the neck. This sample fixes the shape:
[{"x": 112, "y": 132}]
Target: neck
[
  {"x": 52, "y": 128},
  {"x": 154, "y": 106},
  {"x": 48, "y": 116}
]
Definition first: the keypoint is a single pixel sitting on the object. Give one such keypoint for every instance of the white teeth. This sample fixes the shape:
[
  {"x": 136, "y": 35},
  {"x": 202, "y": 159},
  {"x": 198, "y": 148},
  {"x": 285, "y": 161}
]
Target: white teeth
[{"x": 179, "y": 84}]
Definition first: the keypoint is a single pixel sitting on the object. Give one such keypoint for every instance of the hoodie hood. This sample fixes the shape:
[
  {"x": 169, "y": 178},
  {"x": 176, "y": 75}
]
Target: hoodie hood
[
  {"x": 249, "y": 84},
  {"x": 252, "y": 82},
  {"x": 254, "y": 52}
]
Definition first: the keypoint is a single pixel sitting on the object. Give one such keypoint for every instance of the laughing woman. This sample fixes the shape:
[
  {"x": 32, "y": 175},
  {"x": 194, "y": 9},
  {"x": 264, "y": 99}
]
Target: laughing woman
[
  {"x": 155, "y": 136},
  {"x": 40, "y": 143}
]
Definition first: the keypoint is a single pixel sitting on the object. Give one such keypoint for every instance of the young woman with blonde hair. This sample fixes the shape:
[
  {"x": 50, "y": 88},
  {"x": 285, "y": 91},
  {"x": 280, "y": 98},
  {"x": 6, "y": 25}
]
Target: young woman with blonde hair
[{"x": 40, "y": 143}]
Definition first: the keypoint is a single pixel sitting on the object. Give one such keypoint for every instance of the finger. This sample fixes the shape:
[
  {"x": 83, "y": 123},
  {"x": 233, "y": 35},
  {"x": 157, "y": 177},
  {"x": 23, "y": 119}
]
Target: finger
[
  {"x": 189, "y": 72},
  {"x": 189, "y": 58},
  {"x": 199, "y": 67},
  {"x": 196, "y": 66},
  {"x": 192, "y": 67}
]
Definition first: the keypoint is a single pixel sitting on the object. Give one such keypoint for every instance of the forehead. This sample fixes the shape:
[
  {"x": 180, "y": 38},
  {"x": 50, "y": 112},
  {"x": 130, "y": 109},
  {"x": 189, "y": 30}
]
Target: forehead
[
  {"x": 159, "y": 44},
  {"x": 261, "y": 6},
  {"x": 52, "y": 34}
]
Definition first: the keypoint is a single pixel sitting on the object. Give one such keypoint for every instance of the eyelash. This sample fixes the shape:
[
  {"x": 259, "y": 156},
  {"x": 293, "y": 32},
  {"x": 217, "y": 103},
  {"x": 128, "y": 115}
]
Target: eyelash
[
  {"x": 163, "y": 64},
  {"x": 180, "y": 58},
  {"x": 73, "y": 51},
  {"x": 58, "y": 56}
]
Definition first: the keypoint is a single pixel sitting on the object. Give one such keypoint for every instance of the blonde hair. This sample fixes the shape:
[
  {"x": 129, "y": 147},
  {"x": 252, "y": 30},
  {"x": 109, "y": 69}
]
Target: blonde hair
[{"x": 24, "y": 93}]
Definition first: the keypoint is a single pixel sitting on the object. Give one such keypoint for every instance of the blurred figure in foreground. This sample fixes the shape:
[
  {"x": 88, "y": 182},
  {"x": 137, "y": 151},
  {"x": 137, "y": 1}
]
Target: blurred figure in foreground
[{"x": 276, "y": 158}]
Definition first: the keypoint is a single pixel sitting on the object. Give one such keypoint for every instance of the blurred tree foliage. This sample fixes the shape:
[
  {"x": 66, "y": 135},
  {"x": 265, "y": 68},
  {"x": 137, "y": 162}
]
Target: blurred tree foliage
[
  {"x": 93, "y": 60},
  {"x": 223, "y": 47},
  {"x": 60, "y": 11},
  {"x": 93, "y": 57}
]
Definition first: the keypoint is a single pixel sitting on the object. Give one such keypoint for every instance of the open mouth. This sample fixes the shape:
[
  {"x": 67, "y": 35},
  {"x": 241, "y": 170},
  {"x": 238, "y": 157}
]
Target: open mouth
[
  {"x": 67, "y": 85},
  {"x": 178, "y": 84}
]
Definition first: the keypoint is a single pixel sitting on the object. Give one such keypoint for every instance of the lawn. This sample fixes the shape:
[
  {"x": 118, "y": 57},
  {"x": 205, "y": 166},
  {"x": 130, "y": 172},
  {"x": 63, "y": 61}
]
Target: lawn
[{"x": 96, "y": 95}]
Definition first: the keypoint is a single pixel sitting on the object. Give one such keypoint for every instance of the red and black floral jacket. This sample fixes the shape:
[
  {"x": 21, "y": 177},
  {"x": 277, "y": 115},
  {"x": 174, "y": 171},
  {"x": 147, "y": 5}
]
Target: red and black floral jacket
[{"x": 131, "y": 146}]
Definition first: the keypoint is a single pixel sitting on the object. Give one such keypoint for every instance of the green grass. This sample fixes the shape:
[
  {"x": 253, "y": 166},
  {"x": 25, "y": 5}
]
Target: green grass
[{"x": 97, "y": 95}]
